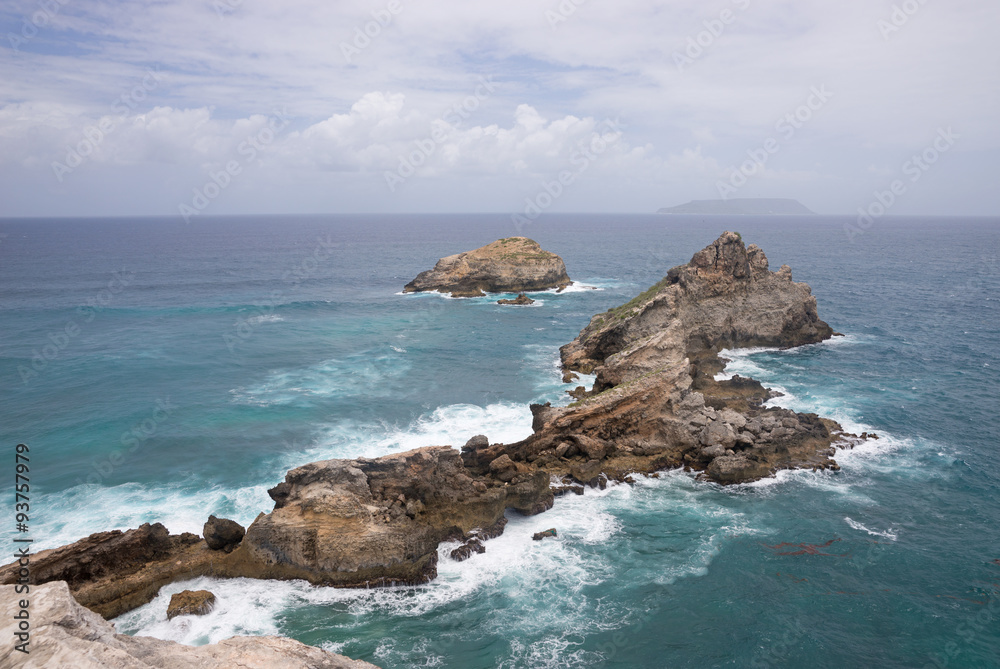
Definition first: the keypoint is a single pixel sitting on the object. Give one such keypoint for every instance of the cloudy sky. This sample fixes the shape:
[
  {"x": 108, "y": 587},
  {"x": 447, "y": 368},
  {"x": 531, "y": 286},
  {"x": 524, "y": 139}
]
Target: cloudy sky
[{"x": 313, "y": 106}]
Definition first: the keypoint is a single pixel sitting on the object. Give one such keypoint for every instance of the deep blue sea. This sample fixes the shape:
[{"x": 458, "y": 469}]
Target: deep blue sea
[{"x": 161, "y": 371}]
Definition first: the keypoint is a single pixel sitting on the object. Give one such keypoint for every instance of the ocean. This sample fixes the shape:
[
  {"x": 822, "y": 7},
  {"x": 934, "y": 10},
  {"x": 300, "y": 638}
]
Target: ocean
[{"x": 162, "y": 371}]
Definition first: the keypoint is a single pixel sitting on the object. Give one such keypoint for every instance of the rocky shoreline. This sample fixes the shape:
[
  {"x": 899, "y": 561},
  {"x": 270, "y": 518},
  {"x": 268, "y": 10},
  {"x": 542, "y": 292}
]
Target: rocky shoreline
[{"x": 655, "y": 405}]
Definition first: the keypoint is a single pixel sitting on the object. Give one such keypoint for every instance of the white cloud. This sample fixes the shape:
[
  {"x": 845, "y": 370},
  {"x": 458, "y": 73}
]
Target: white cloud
[{"x": 222, "y": 76}]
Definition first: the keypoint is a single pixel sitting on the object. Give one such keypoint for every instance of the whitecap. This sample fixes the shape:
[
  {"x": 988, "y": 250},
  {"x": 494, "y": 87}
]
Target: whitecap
[
  {"x": 264, "y": 318},
  {"x": 886, "y": 534}
]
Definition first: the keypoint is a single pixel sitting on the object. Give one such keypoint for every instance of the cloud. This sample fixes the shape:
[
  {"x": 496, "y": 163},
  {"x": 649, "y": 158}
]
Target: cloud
[{"x": 222, "y": 74}]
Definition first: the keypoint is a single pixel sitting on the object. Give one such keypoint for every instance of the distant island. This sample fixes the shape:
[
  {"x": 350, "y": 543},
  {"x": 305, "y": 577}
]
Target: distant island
[{"x": 744, "y": 206}]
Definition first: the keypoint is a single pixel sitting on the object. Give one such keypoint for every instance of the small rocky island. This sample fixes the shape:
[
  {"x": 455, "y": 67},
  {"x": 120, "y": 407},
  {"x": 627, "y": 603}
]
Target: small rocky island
[
  {"x": 511, "y": 265},
  {"x": 521, "y": 300},
  {"x": 655, "y": 405}
]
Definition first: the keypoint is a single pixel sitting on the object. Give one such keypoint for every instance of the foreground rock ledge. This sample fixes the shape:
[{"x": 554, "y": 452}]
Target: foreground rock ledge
[
  {"x": 511, "y": 265},
  {"x": 65, "y": 634}
]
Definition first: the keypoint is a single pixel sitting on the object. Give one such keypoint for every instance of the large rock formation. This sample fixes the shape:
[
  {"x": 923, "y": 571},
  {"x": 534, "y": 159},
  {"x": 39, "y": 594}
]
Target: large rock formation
[
  {"x": 379, "y": 522},
  {"x": 655, "y": 402},
  {"x": 64, "y": 634},
  {"x": 511, "y": 265},
  {"x": 348, "y": 523}
]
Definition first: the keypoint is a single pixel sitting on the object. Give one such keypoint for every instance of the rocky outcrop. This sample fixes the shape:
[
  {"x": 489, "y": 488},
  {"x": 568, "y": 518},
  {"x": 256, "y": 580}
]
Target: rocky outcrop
[
  {"x": 190, "y": 603},
  {"x": 521, "y": 300},
  {"x": 655, "y": 402},
  {"x": 379, "y": 521},
  {"x": 655, "y": 405},
  {"x": 511, "y": 265},
  {"x": 347, "y": 523},
  {"x": 222, "y": 534},
  {"x": 114, "y": 572},
  {"x": 65, "y": 634}
]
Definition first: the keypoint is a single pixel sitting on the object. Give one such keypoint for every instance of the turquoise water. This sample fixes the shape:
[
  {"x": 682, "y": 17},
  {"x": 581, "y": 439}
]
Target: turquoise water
[{"x": 206, "y": 360}]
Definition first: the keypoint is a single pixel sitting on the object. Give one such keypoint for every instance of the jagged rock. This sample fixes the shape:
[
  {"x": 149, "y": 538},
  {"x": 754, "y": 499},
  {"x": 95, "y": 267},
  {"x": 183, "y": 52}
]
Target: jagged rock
[
  {"x": 65, "y": 634},
  {"x": 733, "y": 418},
  {"x": 190, "y": 603},
  {"x": 569, "y": 376},
  {"x": 655, "y": 358},
  {"x": 719, "y": 433},
  {"x": 713, "y": 451},
  {"x": 337, "y": 525},
  {"x": 521, "y": 300},
  {"x": 478, "y": 441},
  {"x": 114, "y": 572},
  {"x": 511, "y": 265},
  {"x": 223, "y": 534},
  {"x": 538, "y": 536},
  {"x": 736, "y": 469},
  {"x": 466, "y": 550}
]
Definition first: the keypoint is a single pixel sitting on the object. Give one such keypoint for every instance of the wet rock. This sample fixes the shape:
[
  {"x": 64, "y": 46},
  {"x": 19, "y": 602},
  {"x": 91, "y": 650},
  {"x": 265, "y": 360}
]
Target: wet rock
[
  {"x": 538, "y": 536},
  {"x": 190, "y": 603},
  {"x": 521, "y": 300},
  {"x": 467, "y": 550}
]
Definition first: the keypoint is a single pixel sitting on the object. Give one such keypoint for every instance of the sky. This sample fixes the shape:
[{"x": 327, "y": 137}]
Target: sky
[{"x": 212, "y": 107}]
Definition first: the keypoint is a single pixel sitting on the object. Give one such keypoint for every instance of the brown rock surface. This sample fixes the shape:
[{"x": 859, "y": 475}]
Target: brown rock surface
[
  {"x": 514, "y": 264},
  {"x": 65, "y": 634},
  {"x": 114, "y": 572},
  {"x": 190, "y": 603},
  {"x": 379, "y": 522}
]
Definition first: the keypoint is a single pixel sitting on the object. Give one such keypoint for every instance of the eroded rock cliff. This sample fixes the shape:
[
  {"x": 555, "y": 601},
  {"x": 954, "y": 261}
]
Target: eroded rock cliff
[{"x": 655, "y": 402}]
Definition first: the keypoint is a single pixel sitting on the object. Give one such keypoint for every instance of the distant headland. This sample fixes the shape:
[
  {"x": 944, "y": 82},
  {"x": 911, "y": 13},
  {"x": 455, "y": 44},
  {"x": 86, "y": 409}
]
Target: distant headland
[{"x": 742, "y": 206}]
